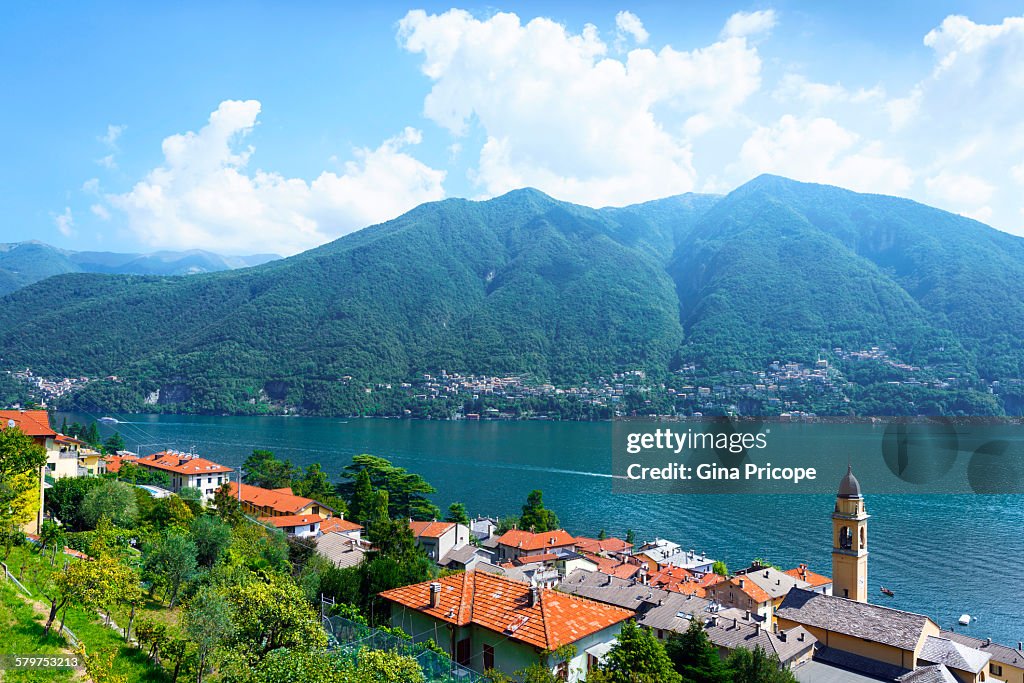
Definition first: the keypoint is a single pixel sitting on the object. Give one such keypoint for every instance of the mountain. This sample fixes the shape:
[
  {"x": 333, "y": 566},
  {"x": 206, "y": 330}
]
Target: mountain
[
  {"x": 776, "y": 270},
  {"x": 23, "y": 263}
]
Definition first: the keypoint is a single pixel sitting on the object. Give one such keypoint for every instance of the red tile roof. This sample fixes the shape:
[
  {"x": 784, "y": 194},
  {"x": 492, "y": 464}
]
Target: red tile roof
[
  {"x": 805, "y": 574},
  {"x": 525, "y": 540},
  {"x": 502, "y": 605},
  {"x": 338, "y": 524},
  {"x": 430, "y": 529},
  {"x": 31, "y": 422},
  {"x": 63, "y": 438},
  {"x": 181, "y": 463},
  {"x": 608, "y": 545},
  {"x": 606, "y": 565},
  {"x": 114, "y": 462},
  {"x": 750, "y": 589},
  {"x": 283, "y": 521},
  {"x": 282, "y": 501}
]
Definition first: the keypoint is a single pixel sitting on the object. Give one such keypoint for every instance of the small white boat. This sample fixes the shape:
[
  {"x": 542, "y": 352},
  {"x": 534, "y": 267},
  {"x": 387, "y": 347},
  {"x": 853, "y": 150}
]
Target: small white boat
[
  {"x": 109, "y": 420},
  {"x": 965, "y": 619}
]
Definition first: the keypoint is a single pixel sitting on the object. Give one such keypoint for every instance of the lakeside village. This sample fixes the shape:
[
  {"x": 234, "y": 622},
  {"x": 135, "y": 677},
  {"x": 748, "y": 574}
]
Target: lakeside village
[
  {"x": 286, "y": 576},
  {"x": 868, "y": 381}
]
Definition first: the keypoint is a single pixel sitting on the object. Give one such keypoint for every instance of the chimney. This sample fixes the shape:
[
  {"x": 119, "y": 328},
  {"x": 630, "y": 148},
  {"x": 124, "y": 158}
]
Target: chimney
[
  {"x": 746, "y": 615},
  {"x": 782, "y": 636},
  {"x": 713, "y": 621},
  {"x": 800, "y": 637},
  {"x": 735, "y": 623},
  {"x": 435, "y": 593},
  {"x": 743, "y": 583},
  {"x": 534, "y": 596},
  {"x": 775, "y": 627}
]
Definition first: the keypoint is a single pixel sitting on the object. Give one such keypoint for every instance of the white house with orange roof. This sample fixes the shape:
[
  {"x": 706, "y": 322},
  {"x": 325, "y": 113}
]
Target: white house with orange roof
[
  {"x": 516, "y": 543},
  {"x": 437, "y": 539},
  {"x": 303, "y": 526},
  {"x": 188, "y": 470},
  {"x": 486, "y": 621},
  {"x": 262, "y": 502}
]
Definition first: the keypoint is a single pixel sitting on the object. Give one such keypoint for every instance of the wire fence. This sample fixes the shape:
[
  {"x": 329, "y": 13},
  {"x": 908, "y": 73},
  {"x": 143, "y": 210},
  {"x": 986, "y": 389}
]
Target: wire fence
[{"x": 349, "y": 639}]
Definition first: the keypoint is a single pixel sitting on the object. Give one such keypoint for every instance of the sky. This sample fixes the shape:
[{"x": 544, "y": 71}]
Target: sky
[{"x": 253, "y": 127}]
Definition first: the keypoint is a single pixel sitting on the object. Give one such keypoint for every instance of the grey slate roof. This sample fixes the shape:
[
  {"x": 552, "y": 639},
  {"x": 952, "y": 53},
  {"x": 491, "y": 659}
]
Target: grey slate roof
[
  {"x": 731, "y": 634},
  {"x": 953, "y": 654},
  {"x": 862, "y": 665},
  {"x": 465, "y": 554},
  {"x": 340, "y": 549},
  {"x": 1000, "y": 653},
  {"x": 776, "y": 583},
  {"x": 929, "y": 674},
  {"x": 861, "y": 620}
]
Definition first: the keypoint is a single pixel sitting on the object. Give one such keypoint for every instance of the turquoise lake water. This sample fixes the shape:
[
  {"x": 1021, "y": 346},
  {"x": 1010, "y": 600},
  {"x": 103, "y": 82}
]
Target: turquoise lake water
[{"x": 943, "y": 555}]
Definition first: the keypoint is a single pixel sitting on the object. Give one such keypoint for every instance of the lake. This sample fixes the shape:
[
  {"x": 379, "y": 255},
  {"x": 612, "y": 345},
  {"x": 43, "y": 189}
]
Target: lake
[{"x": 943, "y": 555}]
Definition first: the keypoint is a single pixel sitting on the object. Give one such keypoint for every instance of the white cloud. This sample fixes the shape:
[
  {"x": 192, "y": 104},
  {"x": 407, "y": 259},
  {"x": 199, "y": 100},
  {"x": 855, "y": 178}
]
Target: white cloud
[
  {"x": 65, "y": 222},
  {"x": 795, "y": 88},
  {"x": 203, "y": 196},
  {"x": 629, "y": 24},
  {"x": 110, "y": 138},
  {"x": 960, "y": 188},
  {"x": 91, "y": 186},
  {"x": 100, "y": 212},
  {"x": 821, "y": 150},
  {"x": 744, "y": 24},
  {"x": 108, "y": 162},
  {"x": 1017, "y": 173},
  {"x": 557, "y": 113}
]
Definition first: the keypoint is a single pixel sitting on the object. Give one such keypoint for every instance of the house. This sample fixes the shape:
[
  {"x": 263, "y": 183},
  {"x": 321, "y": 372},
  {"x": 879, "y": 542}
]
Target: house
[
  {"x": 815, "y": 582},
  {"x": 114, "y": 462},
  {"x": 35, "y": 424},
  {"x": 622, "y": 569},
  {"x": 342, "y": 550},
  {"x": 515, "y": 543},
  {"x": 1005, "y": 664},
  {"x": 188, "y": 470},
  {"x": 561, "y": 560},
  {"x": 740, "y": 592},
  {"x": 339, "y": 525},
  {"x": 261, "y": 502},
  {"x": 437, "y": 539},
  {"x": 483, "y": 527},
  {"x": 856, "y": 635},
  {"x": 63, "y": 460},
  {"x": 91, "y": 463},
  {"x": 302, "y": 526},
  {"x": 487, "y": 621},
  {"x": 665, "y": 612},
  {"x": 467, "y": 557},
  {"x": 603, "y": 546},
  {"x": 660, "y": 551},
  {"x": 775, "y": 583}
]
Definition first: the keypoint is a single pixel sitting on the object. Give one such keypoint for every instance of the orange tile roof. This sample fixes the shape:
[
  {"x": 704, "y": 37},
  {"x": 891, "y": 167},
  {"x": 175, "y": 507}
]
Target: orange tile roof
[
  {"x": 525, "y": 540},
  {"x": 179, "y": 463},
  {"x": 278, "y": 500},
  {"x": 530, "y": 559},
  {"x": 114, "y": 462},
  {"x": 805, "y": 574},
  {"x": 31, "y": 422},
  {"x": 63, "y": 438},
  {"x": 430, "y": 529},
  {"x": 606, "y": 565},
  {"x": 750, "y": 589},
  {"x": 338, "y": 524},
  {"x": 292, "y": 520},
  {"x": 502, "y": 605},
  {"x": 608, "y": 545}
]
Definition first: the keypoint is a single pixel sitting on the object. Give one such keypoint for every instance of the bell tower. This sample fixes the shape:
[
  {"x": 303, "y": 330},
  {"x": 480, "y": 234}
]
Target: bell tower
[{"x": 850, "y": 541}]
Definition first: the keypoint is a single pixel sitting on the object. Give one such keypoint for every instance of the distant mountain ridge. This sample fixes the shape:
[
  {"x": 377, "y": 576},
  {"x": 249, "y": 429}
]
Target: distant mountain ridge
[
  {"x": 523, "y": 283},
  {"x": 24, "y": 263}
]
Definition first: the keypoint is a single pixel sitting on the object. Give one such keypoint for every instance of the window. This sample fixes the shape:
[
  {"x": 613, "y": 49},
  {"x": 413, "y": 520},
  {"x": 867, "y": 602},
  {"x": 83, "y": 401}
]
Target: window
[
  {"x": 996, "y": 669},
  {"x": 488, "y": 657},
  {"x": 315, "y": 510},
  {"x": 312, "y": 528},
  {"x": 562, "y": 671}
]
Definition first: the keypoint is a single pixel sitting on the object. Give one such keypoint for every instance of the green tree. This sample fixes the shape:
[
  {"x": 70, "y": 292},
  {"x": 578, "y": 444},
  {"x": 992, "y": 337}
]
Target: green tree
[
  {"x": 170, "y": 561},
  {"x": 64, "y": 500},
  {"x": 227, "y": 505},
  {"x": 755, "y": 666},
  {"x": 457, "y": 514},
  {"x": 630, "y": 537},
  {"x": 263, "y": 469},
  {"x": 408, "y": 492},
  {"x": 694, "y": 656},
  {"x": 92, "y": 436},
  {"x": 208, "y": 622},
  {"x": 272, "y": 613},
  {"x": 361, "y": 497},
  {"x": 638, "y": 657},
  {"x": 212, "y": 537},
  {"x": 535, "y": 516},
  {"x": 50, "y": 535},
  {"x": 720, "y": 568},
  {"x": 113, "y": 444},
  {"x": 20, "y": 461},
  {"x": 602, "y": 535},
  {"x": 112, "y": 499}
]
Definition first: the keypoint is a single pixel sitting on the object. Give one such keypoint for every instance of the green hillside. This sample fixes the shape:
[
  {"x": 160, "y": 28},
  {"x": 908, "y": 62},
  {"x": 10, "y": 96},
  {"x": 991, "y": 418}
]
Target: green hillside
[{"x": 776, "y": 270}]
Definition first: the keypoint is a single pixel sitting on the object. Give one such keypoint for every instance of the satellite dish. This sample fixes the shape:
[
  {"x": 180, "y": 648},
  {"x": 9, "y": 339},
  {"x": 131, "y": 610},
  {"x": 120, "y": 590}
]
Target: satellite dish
[{"x": 12, "y": 424}]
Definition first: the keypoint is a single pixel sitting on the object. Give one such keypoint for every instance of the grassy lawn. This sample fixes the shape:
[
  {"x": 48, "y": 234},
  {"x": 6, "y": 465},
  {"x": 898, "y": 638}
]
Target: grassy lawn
[
  {"x": 85, "y": 624},
  {"x": 22, "y": 630}
]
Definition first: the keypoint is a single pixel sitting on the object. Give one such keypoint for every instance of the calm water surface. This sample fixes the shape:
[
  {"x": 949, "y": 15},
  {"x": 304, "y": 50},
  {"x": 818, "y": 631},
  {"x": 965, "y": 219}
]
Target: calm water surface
[{"x": 943, "y": 555}]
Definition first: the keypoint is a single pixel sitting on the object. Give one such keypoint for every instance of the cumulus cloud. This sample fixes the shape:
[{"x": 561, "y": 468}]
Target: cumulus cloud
[
  {"x": 65, "y": 222},
  {"x": 204, "y": 196},
  {"x": 821, "y": 150},
  {"x": 559, "y": 114},
  {"x": 743, "y": 24},
  {"x": 795, "y": 88},
  {"x": 110, "y": 138},
  {"x": 629, "y": 24}
]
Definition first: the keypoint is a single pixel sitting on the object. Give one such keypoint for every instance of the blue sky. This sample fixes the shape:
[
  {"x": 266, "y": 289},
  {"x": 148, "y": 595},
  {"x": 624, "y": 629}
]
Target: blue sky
[{"x": 327, "y": 117}]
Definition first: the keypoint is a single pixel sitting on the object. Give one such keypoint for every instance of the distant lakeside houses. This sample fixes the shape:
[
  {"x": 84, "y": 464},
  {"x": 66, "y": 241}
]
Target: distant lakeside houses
[{"x": 509, "y": 598}]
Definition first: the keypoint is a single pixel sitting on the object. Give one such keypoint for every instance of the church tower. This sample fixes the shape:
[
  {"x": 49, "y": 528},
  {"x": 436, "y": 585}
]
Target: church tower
[{"x": 850, "y": 542}]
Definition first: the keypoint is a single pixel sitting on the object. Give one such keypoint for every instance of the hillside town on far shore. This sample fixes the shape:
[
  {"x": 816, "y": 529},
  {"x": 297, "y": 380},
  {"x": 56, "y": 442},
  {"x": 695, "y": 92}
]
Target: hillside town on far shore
[{"x": 508, "y": 595}]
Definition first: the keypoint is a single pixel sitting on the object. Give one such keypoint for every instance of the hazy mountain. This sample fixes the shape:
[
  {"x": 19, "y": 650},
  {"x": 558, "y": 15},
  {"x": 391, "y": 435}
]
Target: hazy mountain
[
  {"x": 524, "y": 283},
  {"x": 22, "y": 263}
]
